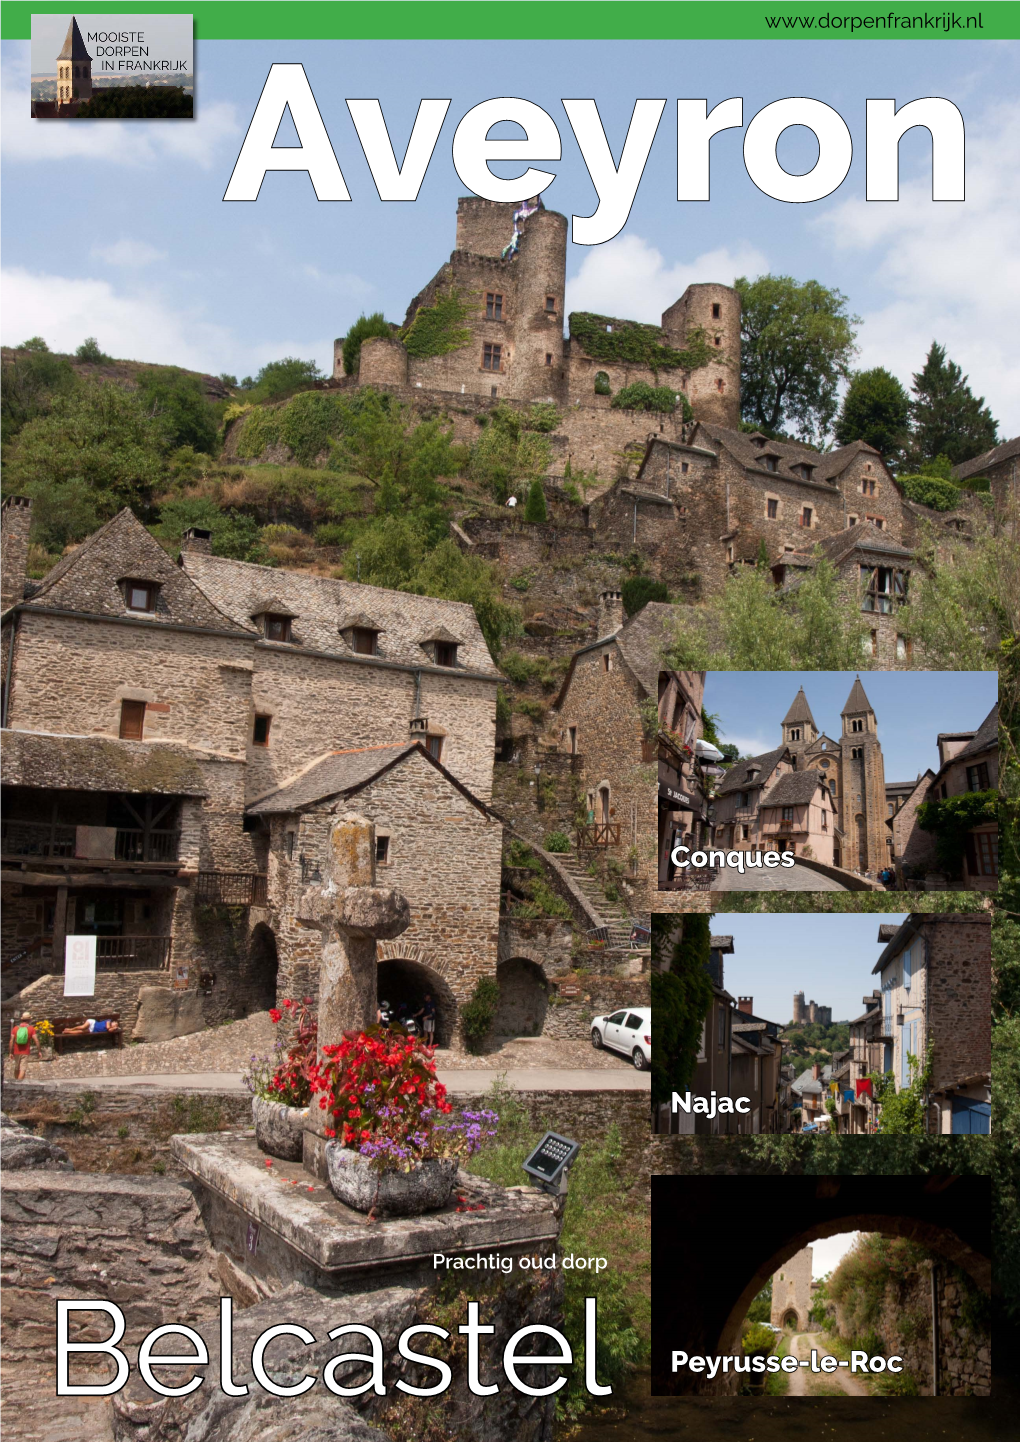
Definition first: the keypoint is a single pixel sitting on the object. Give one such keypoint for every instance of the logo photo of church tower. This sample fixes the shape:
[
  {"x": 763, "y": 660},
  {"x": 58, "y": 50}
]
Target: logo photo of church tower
[{"x": 112, "y": 67}]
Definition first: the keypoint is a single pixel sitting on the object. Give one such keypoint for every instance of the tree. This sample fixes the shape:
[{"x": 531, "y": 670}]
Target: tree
[
  {"x": 535, "y": 509},
  {"x": 177, "y": 404},
  {"x": 680, "y": 999},
  {"x": 89, "y": 351},
  {"x": 876, "y": 410},
  {"x": 233, "y": 534},
  {"x": 28, "y": 382},
  {"x": 797, "y": 341},
  {"x": 948, "y": 419},
  {"x": 363, "y": 329},
  {"x": 506, "y": 454},
  {"x": 280, "y": 379}
]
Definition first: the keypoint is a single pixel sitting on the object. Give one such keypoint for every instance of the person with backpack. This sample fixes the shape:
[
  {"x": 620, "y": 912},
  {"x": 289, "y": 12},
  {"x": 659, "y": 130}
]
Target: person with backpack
[{"x": 23, "y": 1034}]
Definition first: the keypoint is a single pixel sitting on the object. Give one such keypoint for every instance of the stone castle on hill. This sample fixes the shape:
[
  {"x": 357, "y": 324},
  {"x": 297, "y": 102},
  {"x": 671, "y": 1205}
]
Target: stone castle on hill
[
  {"x": 806, "y": 1012},
  {"x": 687, "y": 488}
]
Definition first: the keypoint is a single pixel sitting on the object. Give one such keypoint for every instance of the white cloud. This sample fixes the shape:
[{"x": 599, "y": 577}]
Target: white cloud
[
  {"x": 117, "y": 142},
  {"x": 135, "y": 326},
  {"x": 952, "y": 267},
  {"x": 628, "y": 277},
  {"x": 827, "y": 1254},
  {"x": 132, "y": 254}
]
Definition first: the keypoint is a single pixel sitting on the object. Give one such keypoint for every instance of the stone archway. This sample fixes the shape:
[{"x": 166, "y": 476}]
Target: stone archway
[
  {"x": 263, "y": 969},
  {"x": 404, "y": 974},
  {"x": 523, "y": 998},
  {"x": 792, "y": 1320}
]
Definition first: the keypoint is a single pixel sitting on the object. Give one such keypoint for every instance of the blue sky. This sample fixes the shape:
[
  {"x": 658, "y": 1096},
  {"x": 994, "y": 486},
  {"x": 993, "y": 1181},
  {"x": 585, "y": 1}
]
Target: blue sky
[
  {"x": 911, "y": 708},
  {"x": 119, "y": 230},
  {"x": 829, "y": 958}
]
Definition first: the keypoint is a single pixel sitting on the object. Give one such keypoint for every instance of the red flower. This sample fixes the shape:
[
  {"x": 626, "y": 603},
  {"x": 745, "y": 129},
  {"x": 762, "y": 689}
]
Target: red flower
[{"x": 274, "y": 1013}]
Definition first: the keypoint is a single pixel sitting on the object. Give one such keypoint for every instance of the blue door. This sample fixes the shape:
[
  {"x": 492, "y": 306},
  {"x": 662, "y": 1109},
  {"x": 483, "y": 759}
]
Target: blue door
[{"x": 971, "y": 1118}]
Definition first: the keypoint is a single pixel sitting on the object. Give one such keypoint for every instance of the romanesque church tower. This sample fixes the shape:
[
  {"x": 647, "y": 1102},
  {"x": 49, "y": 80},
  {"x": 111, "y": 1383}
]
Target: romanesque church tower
[
  {"x": 74, "y": 68},
  {"x": 862, "y": 786},
  {"x": 799, "y": 728}
]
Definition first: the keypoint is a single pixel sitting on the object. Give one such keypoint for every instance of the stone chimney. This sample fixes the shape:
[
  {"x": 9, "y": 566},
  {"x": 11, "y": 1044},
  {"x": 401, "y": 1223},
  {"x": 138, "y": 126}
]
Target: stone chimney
[
  {"x": 15, "y": 524},
  {"x": 196, "y": 539},
  {"x": 816, "y": 1070},
  {"x": 746, "y": 1003},
  {"x": 611, "y": 616}
]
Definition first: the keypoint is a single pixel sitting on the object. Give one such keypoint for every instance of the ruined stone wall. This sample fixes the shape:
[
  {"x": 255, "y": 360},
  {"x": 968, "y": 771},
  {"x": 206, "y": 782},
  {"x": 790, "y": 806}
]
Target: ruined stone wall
[
  {"x": 356, "y": 705},
  {"x": 629, "y": 518},
  {"x": 714, "y": 390},
  {"x": 383, "y": 361},
  {"x": 959, "y": 981}
]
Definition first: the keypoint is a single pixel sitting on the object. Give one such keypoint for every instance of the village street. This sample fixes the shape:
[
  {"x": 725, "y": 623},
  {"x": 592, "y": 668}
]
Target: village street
[
  {"x": 783, "y": 878},
  {"x": 805, "y": 1383}
]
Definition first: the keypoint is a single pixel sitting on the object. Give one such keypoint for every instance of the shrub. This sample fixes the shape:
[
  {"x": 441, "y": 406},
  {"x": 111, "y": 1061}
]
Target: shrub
[
  {"x": 504, "y": 713},
  {"x": 479, "y": 1012},
  {"x": 758, "y": 1339},
  {"x": 89, "y": 351},
  {"x": 642, "y": 397},
  {"x": 952, "y": 820},
  {"x": 639, "y": 590},
  {"x": 605, "y": 338},
  {"x": 557, "y": 842},
  {"x": 940, "y": 495},
  {"x": 543, "y": 416},
  {"x": 535, "y": 511}
]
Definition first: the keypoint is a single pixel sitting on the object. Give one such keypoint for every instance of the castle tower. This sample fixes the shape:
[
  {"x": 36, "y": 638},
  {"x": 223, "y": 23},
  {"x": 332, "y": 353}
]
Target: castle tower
[
  {"x": 536, "y": 328},
  {"x": 862, "y": 787},
  {"x": 799, "y": 1014},
  {"x": 791, "y": 1293},
  {"x": 799, "y": 728},
  {"x": 714, "y": 389},
  {"x": 74, "y": 68}
]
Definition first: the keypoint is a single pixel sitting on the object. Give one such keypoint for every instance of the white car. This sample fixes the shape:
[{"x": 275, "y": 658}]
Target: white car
[{"x": 629, "y": 1031}]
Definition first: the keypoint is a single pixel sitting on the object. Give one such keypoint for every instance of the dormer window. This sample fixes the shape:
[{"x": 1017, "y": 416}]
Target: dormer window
[
  {"x": 771, "y": 463},
  {"x": 804, "y": 470},
  {"x": 363, "y": 641},
  {"x": 140, "y": 596},
  {"x": 446, "y": 653},
  {"x": 275, "y": 627}
]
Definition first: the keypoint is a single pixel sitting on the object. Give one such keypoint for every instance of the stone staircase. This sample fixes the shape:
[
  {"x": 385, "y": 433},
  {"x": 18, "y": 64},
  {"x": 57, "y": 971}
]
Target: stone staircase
[{"x": 612, "y": 914}]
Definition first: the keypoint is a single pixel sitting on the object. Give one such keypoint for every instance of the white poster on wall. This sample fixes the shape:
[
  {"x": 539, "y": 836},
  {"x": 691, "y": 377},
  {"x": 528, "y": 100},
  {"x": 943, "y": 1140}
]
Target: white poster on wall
[{"x": 80, "y": 966}]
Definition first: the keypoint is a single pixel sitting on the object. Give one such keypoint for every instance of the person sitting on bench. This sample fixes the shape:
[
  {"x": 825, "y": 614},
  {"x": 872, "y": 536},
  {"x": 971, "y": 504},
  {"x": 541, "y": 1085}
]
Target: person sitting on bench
[{"x": 95, "y": 1026}]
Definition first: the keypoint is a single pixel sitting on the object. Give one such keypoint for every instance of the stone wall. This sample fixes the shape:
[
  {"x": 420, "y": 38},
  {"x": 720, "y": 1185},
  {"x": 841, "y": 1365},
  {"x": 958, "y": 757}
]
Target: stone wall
[
  {"x": 959, "y": 986},
  {"x": 601, "y": 994},
  {"x": 116, "y": 991}
]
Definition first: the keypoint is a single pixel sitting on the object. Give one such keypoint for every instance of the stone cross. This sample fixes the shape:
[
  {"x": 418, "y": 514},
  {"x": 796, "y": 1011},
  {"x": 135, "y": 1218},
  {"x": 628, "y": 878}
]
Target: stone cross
[{"x": 353, "y": 914}]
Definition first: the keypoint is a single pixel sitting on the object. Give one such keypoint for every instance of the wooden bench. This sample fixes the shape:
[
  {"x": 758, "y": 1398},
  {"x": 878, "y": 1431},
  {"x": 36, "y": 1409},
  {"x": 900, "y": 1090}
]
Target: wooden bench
[{"x": 62, "y": 1039}]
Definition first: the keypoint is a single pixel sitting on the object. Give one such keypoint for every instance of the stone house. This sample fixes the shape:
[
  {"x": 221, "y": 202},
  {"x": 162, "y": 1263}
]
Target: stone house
[
  {"x": 798, "y": 813},
  {"x": 736, "y": 810},
  {"x": 597, "y": 716},
  {"x": 809, "y": 1091},
  {"x": 682, "y": 802},
  {"x": 770, "y": 1111},
  {"x": 935, "y": 977},
  {"x": 176, "y": 737},
  {"x": 969, "y": 762},
  {"x": 855, "y": 1112},
  {"x": 1000, "y": 466},
  {"x": 913, "y": 849}
]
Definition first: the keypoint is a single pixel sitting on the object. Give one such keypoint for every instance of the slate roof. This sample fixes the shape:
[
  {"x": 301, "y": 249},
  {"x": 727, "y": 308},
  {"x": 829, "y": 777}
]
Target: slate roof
[
  {"x": 99, "y": 763},
  {"x": 639, "y": 642},
  {"x": 806, "y": 1082},
  {"x": 736, "y": 778},
  {"x": 742, "y": 447},
  {"x": 794, "y": 788},
  {"x": 88, "y": 580},
  {"x": 721, "y": 943},
  {"x": 887, "y": 931},
  {"x": 321, "y": 607},
  {"x": 800, "y": 710},
  {"x": 343, "y": 773},
  {"x": 1004, "y": 452},
  {"x": 74, "y": 45},
  {"x": 985, "y": 738},
  {"x": 857, "y": 701}
]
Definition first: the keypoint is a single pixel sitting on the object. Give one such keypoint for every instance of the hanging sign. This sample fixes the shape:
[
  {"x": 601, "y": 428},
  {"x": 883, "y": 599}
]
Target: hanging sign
[{"x": 80, "y": 966}]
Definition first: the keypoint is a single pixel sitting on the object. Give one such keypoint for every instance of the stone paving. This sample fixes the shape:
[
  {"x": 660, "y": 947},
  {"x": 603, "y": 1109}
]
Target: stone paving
[
  {"x": 783, "y": 878},
  {"x": 229, "y": 1048}
]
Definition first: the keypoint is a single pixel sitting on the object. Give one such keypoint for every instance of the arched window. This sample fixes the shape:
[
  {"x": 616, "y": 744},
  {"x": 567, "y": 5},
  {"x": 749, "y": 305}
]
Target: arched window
[{"x": 602, "y": 386}]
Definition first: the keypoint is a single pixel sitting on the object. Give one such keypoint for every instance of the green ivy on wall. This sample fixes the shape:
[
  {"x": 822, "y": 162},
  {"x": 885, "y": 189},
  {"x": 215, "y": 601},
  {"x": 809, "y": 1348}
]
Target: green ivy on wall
[
  {"x": 952, "y": 820},
  {"x": 643, "y": 397},
  {"x": 438, "y": 329},
  {"x": 631, "y": 343}
]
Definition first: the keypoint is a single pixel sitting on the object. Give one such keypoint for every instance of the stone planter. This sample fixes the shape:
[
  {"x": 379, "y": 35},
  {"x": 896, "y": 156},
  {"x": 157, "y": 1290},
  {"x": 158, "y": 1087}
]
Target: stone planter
[
  {"x": 357, "y": 1184},
  {"x": 279, "y": 1129}
]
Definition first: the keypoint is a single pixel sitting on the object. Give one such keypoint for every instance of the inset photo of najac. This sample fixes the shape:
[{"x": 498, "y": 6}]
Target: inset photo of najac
[
  {"x": 833, "y": 1024},
  {"x": 828, "y": 781},
  {"x": 822, "y": 1286}
]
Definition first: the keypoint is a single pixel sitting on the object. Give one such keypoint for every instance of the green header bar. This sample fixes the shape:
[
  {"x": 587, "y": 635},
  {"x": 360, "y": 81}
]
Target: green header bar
[{"x": 558, "y": 19}]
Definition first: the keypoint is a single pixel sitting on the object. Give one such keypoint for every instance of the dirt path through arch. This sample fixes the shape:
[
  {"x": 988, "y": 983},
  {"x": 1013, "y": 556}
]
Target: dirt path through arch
[{"x": 804, "y": 1383}]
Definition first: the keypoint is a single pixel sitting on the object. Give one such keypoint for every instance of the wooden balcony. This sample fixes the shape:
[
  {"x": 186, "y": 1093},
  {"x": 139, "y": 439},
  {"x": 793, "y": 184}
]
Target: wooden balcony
[
  {"x": 57, "y": 841},
  {"x": 596, "y": 834},
  {"x": 231, "y": 888},
  {"x": 132, "y": 953}
]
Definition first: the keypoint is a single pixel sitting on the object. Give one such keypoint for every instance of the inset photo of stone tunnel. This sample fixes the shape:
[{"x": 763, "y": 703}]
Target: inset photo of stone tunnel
[
  {"x": 834, "y": 1286},
  {"x": 852, "y": 1024},
  {"x": 829, "y": 780}
]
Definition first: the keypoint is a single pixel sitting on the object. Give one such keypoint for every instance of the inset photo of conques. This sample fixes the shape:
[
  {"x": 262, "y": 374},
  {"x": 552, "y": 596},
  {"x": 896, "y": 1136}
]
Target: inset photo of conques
[{"x": 828, "y": 781}]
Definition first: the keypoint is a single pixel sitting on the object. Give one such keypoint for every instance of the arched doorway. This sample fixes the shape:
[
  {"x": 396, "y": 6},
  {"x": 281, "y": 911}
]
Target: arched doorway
[
  {"x": 791, "y": 1320},
  {"x": 401, "y": 981},
  {"x": 523, "y": 998},
  {"x": 263, "y": 968}
]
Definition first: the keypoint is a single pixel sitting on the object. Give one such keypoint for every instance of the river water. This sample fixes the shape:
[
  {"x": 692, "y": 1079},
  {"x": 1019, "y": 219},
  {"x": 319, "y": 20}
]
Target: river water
[{"x": 645, "y": 1418}]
